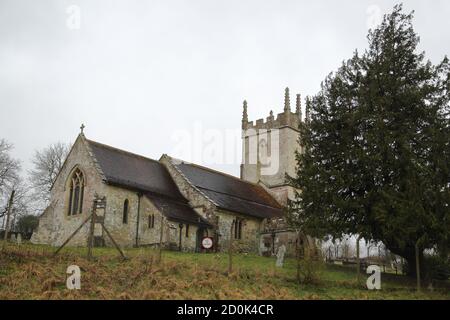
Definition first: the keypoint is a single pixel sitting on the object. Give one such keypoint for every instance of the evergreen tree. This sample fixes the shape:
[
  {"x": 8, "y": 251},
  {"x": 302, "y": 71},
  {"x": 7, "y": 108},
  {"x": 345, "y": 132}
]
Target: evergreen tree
[{"x": 377, "y": 147}]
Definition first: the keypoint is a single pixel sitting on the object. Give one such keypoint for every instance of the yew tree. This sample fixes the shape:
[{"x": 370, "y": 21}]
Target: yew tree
[{"x": 377, "y": 147}]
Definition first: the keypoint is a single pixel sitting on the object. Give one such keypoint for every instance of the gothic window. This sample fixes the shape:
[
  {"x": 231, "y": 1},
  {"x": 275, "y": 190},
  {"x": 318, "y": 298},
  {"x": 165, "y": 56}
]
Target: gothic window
[
  {"x": 238, "y": 223},
  {"x": 76, "y": 193},
  {"x": 187, "y": 231},
  {"x": 126, "y": 205}
]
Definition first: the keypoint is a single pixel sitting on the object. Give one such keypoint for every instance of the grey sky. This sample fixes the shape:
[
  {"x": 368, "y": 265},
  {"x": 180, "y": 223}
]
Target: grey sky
[{"x": 136, "y": 71}]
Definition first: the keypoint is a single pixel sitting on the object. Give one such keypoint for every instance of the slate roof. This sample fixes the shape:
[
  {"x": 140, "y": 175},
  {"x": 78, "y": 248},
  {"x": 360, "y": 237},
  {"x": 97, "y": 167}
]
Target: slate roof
[
  {"x": 134, "y": 171},
  {"x": 177, "y": 211},
  {"x": 149, "y": 176},
  {"x": 231, "y": 193}
]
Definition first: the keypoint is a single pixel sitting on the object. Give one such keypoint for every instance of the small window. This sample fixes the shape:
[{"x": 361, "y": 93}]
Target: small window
[
  {"x": 187, "y": 231},
  {"x": 238, "y": 224},
  {"x": 151, "y": 221},
  {"x": 125, "y": 212}
]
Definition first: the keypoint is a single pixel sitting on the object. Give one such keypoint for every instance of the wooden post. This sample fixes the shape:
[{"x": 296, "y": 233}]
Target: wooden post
[
  {"x": 91, "y": 232},
  {"x": 418, "y": 265},
  {"x": 8, "y": 214},
  {"x": 297, "y": 255},
  {"x": 72, "y": 235},
  {"x": 114, "y": 242},
  {"x": 230, "y": 250},
  {"x": 101, "y": 204}
]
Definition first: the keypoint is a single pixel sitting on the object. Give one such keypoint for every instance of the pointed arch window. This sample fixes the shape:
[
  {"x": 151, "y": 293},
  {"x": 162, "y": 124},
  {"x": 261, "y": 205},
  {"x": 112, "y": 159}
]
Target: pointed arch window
[{"x": 76, "y": 193}]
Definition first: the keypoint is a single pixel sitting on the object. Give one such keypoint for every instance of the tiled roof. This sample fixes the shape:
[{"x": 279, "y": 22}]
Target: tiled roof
[
  {"x": 177, "y": 211},
  {"x": 231, "y": 193},
  {"x": 149, "y": 176}
]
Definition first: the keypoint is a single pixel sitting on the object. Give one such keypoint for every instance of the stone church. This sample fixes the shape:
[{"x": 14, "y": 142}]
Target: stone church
[{"x": 175, "y": 203}]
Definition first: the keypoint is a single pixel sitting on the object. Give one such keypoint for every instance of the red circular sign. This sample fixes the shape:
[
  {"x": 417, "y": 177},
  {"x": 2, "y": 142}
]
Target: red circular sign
[{"x": 207, "y": 243}]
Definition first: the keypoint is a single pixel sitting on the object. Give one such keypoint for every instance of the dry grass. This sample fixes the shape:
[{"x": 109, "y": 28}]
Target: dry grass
[{"x": 31, "y": 272}]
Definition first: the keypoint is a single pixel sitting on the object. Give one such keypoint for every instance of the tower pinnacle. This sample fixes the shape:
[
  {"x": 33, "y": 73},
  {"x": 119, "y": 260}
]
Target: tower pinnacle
[
  {"x": 287, "y": 101},
  {"x": 307, "y": 111},
  {"x": 298, "y": 106},
  {"x": 244, "y": 115}
]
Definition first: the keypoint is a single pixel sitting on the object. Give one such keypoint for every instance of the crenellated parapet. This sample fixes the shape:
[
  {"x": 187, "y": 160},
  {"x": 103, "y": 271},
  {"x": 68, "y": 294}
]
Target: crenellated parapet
[{"x": 285, "y": 119}]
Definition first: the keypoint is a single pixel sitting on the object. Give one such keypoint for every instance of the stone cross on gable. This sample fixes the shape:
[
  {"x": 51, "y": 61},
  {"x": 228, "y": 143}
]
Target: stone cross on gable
[{"x": 82, "y": 128}]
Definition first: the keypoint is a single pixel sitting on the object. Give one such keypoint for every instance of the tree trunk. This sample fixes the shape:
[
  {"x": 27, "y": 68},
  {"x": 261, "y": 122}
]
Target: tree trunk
[
  {"x": 358, "y": 261},
  {"x": 8, "y": 214},
  {"x": 418, "y": 266},
  {"x": 408, "y": 253}
]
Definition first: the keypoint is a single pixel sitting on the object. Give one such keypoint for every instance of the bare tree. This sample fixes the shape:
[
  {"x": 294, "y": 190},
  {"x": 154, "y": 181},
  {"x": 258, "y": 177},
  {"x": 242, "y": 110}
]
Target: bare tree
[
  {"x": 14, "y": 200},
  {"x": 9, "y": 176},
  {"x": 9, "y": 167},
  {"x": 47, "y": 164}
]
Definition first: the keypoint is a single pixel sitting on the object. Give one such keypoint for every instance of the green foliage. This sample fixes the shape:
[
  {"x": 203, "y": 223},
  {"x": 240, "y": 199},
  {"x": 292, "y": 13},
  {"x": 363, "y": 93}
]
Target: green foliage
[
  {"x": 438, "y": 268},
  {"x": 27, "y": 223},
  {"x": 377, "y": 146}
]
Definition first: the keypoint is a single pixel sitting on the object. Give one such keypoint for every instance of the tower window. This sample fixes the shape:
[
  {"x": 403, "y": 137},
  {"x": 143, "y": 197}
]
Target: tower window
[
  {"x": 76, "y": 192},
  {"x": 126, "y": 205}
]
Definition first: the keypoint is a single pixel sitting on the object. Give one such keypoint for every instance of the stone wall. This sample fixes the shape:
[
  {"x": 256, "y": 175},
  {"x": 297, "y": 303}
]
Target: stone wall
[
  {"x": 201, "y": 204},
  {"x": 123, "y": 233},
  {"x": 55, "y": 225},
  {"x": 250, "y": 232}
]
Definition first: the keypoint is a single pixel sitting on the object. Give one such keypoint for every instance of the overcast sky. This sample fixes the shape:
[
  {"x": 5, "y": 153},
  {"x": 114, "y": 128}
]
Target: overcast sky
[{"x": 137, "y": 73}]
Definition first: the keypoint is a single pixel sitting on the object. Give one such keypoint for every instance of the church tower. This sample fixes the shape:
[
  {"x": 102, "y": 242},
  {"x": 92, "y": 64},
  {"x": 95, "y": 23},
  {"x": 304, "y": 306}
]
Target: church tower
[{"x": 269, "y": 148}]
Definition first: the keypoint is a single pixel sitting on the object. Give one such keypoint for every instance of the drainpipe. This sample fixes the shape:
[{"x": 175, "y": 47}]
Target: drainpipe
[
  {"x": 138, "y": 218},
  {"x": 181, "y": 234}
]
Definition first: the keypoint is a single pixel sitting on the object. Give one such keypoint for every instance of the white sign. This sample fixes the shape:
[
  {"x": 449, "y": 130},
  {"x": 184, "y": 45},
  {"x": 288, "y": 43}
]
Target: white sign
[
  {"x": 374, "y": 281},
  {"x": 207, "y": 243}
]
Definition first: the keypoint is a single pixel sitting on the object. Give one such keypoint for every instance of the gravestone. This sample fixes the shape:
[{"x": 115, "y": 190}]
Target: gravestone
[
  {"x": 280, "y": 255},
  {"x": 19, "y": 239}
]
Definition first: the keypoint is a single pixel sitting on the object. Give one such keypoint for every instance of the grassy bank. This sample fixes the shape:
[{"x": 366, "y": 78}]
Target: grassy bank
[{"x": 31, "y": 272}]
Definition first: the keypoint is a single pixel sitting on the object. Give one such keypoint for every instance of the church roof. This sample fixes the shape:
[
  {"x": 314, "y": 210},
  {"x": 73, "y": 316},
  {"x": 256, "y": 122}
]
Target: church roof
[
  {"x": 177, "y": 211},
  {"x": 152, "y": 178},
  {"x": 231, "y": 193},
  {"x": 149, "y": 176},
  {"x": 134, "y": 171}
]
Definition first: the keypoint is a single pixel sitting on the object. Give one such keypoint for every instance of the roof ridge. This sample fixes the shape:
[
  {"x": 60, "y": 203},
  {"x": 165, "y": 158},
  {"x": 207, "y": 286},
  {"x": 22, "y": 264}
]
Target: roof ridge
[
  {"x": 122, "y": 151},
  {"x": 215, "y": 171}
]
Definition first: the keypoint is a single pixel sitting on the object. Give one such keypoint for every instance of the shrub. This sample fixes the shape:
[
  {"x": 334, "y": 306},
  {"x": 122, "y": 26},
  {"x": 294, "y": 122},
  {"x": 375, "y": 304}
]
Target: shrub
[{"x": 437, "y": 268}]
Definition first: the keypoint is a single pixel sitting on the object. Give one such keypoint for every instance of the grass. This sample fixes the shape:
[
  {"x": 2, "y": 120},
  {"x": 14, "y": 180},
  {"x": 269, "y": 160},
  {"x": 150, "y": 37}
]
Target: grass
[{"x": 31, "y": 272}]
